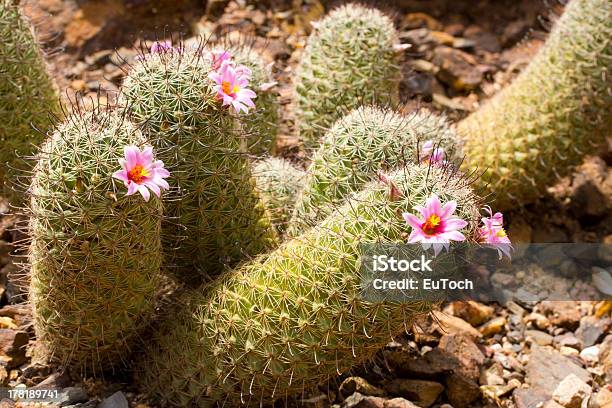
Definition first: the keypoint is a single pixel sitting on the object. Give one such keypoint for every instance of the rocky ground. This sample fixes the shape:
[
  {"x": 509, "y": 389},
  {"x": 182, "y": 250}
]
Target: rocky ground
[{"x": 523, "y": 354}]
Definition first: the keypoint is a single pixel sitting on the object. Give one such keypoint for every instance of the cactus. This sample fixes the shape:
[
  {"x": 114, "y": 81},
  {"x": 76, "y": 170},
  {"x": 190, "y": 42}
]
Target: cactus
[
  {"x": 294, "y": 318},
  {"x": 349, "y": 59},
  {"x": 555, "y": 111},
  {"x": 261, "y": 125},
  {"x": 27, "y": 97},
  {"x": 214, "y": 216},
  {"x": 95, "y": 252},
  {"x": 278, "y": 183},
  {"x": 355, "y": 148}
]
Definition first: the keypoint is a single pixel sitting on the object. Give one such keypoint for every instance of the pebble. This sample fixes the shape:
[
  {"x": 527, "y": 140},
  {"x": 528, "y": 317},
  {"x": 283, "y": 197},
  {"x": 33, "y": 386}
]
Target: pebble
[
  {"x": 421, "y": 392},
  {"x": 547, "y": 368},
  {"x": 539, "y": 337},
  {"x": 72, "y": 395},
  {"x": 602, "y": 280},
  {"x": 571, "y": 392},
  {"x": 493, "y": 327},
  {"x": 457, "y": 68},
  {"x": 360, "y": 385},
  {"x": 568, "y": 340},
  {"x": 117, "y": 400},
  {"x": 592, "y": 329},
  {"x": 590, "y": 354},
  {"x": 569, "y": 351}
]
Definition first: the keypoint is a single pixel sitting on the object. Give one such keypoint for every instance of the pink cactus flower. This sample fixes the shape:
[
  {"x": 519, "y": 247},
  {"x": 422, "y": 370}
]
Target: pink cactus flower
[
  {"x": 218, "y": 57},
  {"x": 140, "y": 173},
  {"x": 429, "y": 154},
  {"x": 232, "y": 88},
  {"x": 493, "y": 234},
  {"x": 436, "y": 225},
  {"x": 161, "y": 46}
]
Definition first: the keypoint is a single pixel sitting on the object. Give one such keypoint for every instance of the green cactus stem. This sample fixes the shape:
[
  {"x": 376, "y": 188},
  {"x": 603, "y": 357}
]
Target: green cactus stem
[
  {"x": 349, "y": 59},
  {"x": 95, "y": 253},
  {"x": 359, "y": 145},
  {"x": 278, "y": 183},
  {"x": 294, "y": 318},
  {"x": 28, "y": 98},
  {"x": 556, "y": 111},
  {"x": 214, "y": 217}
]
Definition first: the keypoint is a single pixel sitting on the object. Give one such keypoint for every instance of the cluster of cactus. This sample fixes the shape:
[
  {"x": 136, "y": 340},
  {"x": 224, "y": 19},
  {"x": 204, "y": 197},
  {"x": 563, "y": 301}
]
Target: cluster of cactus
[
  {"x": 554, "y": 113},
  {"x": 364, "y": 142},
  {"x": 260, "y": 127},
  {"x": 95, "y": 253},
  {"x": 213, "y": 215},
  {"x": 28, "y": 97},
  {"x": 295, "y": 317},
  {"x": 278, "y": 183},
  {"x": 349, "y": 59}
]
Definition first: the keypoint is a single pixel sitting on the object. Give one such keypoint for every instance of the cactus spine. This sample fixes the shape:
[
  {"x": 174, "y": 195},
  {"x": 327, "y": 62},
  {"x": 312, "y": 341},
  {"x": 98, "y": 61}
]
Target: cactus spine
[
  {"x": 278, "y": 183},
  {"x": 294, "y": 318},
  {"x": 358, "y": 145},
  {"x": 555, "y": 112},
  {"x": 260, "y": 125},
  {"x": 214, "y": 216},
  {"x": 95, "y": 252},
  {"x": 27, "y": 96},
  {"x": 349, "y": 59}
]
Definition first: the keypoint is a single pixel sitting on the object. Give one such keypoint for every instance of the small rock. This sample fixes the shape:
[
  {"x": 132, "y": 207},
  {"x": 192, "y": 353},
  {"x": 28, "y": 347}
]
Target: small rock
[
  {"x": 492, "y": 375},
  {"x": 602, "y": 280},
  {"x": 466, "y": 352},
  {"x": 399, "y": 403},
  {"x": 493, "y": 327},
  {"x": 564, "y": 314},
  {"x": 569, "y": 351},
  {"x": 362, "y": 401},
  {"x": 590, "y": 354},
  {"x": 117, "y": 400},
  {"x": 605, "y": 357},
  {"x": 457, "y": 68},
  {"x": 421, "y": 392},
  {"x": 472, "y": 312},
  {"x": 72, "y": 395},
  {"x": 547, "y": 368},
  {"x": 538, "y": 320},
  {"x": 432, "y": 364},
  {"x": 568, "y": 340},
  {"x": 539, "y": 337},
  {"x": 13, "y": 347},
  {"x": 551, "y": 404},
  {"x": 360, "y": 385},
  {"x": 529, "y": 397},
  {"x": 603, "y": 399},
  {"x": 451, "y": 325},
  {"x": 592, "y": 329},
  {"x": 461, "y": 391},
  {"x": 571, "y": 392}
]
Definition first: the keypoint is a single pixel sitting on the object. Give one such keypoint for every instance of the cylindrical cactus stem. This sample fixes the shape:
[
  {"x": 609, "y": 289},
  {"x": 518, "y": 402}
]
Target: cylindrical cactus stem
[
  {"x": 556, "y": 111},
  {"x": 28, "y": 98},
  {"x": 278, "y": 183},
  {"x": 356, "y": 147},
  {"x": 214, "y": 217},
  {"x": 295, "y": 318},
  {"x": 95, "y": 253},
  {"x": 349, "y": 59},
  {"x": 260, "y": 126}
]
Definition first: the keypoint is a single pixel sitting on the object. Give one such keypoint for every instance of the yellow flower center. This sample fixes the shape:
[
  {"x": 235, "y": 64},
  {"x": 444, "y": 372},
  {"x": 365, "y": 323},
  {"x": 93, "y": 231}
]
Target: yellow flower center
[
  {"x": 501, "y": 233},
  {"x": 432, "y": 225},
  {"x": 138, "y": 174},
  {"x": 226, "y": 86}
]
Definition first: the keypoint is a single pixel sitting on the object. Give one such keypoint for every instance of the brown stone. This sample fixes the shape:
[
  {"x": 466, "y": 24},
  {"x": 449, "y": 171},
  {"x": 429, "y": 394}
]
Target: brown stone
[
  {"x": 421, "y": 392},
  {"x": 360, "y": 385},
  {"x": 461, "y": 391},
  {"x": 467, "y": 354},
  {"x": 457, "y": 68},
  {"x": 547, "y": 368},
  {"x": 13, "y": 347}
]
